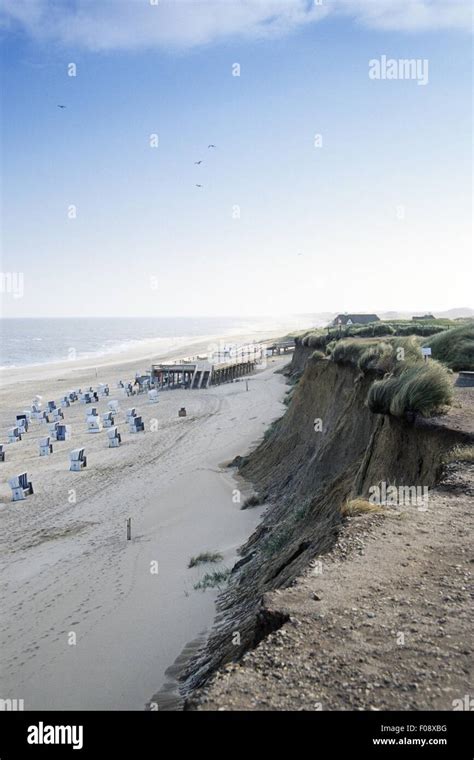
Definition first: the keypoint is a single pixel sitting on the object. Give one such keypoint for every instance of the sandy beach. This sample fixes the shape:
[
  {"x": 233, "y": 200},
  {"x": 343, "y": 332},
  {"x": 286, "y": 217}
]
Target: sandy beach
[{"x": 87, "y": 622}]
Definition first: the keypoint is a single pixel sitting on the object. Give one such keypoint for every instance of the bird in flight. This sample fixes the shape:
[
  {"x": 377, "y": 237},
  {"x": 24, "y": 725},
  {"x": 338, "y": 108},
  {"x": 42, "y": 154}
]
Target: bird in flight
[
  {"x": 61, "y": 106},
  {"x": 198, "y": 185},
  {"x": 198, "y": 162},
  {"x": 211, "y": 146}
]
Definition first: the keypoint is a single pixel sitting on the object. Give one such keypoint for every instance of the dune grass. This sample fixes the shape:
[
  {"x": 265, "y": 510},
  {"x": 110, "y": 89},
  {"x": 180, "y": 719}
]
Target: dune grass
[
  {"x": 423, "y": 388},
  {"x": 213, "y": 580},
  {"x": 252, "y": 501},
  {"x": 204, "y": 558},
  {"x": 460, "y": 454},
  {"x": 454, "y": 347},
  {"x": 359, "y": 506}
]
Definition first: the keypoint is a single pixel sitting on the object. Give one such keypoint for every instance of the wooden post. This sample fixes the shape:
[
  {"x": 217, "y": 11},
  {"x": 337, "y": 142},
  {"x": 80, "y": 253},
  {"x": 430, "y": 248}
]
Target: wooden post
[{"x": 129, "y": 528}]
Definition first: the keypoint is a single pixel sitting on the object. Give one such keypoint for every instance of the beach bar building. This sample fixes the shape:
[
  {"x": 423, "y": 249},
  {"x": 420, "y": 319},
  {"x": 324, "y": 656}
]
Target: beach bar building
[{"x": 222, "y": 367}]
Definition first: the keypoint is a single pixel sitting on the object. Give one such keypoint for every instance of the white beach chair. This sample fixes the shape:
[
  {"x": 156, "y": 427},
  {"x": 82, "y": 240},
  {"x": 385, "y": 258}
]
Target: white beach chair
[
  {"x": 94, "y": 425},
  {"x": 65, "y": 401},
  {"x": 135, "y": 425},
  {"x": 114, "y": 438},
  {"x": 14, "y": 435},
  {"x": 36, "y": 412},
  {"x": 78, "y": 460},
  {"x": 63, "y": 432},
  {"x": 53, "y": 430},
  {"x": 132, "y": 412},
  {"x": 57, "y": 414},
  {"x": 92, "y": 413},
  {"x": 114, "y": 406},
  {"x": 108, "y": 419},
  {"x": 22, "y": 422},
  {"x": 153, "y": 396},
  {"x": 45, "y": 447},
  {"x": 21, "y": 487},
  {"x": 103, "y": 389}
]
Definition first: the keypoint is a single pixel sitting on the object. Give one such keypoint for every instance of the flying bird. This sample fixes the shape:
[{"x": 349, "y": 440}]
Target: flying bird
[
  {"x": 211, "y": 146},
  {"x": 61, "y": 106},
  {"x": 198, "y": 162},
  {"x": 198, "y": 185}
]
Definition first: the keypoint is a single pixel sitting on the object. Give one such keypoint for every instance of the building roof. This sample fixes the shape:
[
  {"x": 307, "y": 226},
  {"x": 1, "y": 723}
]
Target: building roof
[{"x": 356, "y": 319}]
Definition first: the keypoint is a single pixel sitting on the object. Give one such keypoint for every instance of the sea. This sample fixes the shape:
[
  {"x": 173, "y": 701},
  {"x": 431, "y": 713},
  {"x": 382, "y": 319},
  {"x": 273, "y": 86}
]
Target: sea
[{"x": 37, "y": 341}]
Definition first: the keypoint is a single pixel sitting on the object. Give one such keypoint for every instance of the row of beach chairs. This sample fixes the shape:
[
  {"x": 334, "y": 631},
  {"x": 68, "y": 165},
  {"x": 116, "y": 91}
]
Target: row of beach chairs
[{"x": 58, "y": 431}]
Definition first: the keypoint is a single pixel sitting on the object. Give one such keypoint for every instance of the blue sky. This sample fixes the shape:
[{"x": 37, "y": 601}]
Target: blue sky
[{"x": 378, "y": 217}]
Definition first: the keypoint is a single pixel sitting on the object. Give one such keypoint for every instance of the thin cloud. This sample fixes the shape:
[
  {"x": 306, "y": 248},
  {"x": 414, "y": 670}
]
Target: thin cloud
[{"x": 134, "y": 24}]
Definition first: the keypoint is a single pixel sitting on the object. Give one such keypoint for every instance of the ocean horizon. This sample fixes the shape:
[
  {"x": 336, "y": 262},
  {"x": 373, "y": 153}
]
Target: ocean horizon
[{"x": 32, "y": 341}]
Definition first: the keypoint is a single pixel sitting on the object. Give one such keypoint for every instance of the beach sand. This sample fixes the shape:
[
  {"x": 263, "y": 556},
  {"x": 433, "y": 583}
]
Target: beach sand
[{"x": 68, "y": 571}]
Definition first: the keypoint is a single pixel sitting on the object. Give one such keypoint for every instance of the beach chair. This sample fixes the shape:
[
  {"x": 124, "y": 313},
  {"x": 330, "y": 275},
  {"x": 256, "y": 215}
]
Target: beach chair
[
  {"x": 114, "y": 438},
  {"x": 14, "y": 435},
  {"x": 21, "y": 487},
  {"x": 53, "y": 430},
  {"x": 182, "y": 412},
  {"x": 63, "y": 432},
  {"x": 65, "y": 401},
  {"x": 51, "y": 406},
  {"x": 92, "y": 413},
  {"x": 132, "y": 412},
  {"x": 114, "y": 406},
  {"x": 57, "y": 414},
  {"x": 94, "y": 425},
  {"x": 153, "y": 396},
  {"x": 73, "y": 396},
  {"x": 22, "y": 422},
  {"x": 36, "y": 412},
  {"x": 45, "y": 447},
  {"x": 103, "y": 389},
  {"x": 135, "y": 425},
  {"x": 2, "y": 452},
  {"x": 108, "y": 419},
  {"x": 78, "y": 460}
]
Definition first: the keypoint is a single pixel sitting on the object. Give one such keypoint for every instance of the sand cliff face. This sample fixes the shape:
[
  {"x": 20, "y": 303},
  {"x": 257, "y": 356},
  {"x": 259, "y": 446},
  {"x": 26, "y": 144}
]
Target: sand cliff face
[{"x": 327, "y": 448}]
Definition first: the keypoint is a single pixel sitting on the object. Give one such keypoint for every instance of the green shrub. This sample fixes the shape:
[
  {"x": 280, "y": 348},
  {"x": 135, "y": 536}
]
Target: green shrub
[
  {"x": 318, "y": 355},
  {"x": 454, "y": 347}
]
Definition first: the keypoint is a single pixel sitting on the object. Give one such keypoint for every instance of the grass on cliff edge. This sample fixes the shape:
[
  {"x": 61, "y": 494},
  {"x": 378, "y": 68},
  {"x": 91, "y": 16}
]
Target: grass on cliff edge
[
  {"x": 455, "y": 347},
  {"x": 424, "y": 389}
]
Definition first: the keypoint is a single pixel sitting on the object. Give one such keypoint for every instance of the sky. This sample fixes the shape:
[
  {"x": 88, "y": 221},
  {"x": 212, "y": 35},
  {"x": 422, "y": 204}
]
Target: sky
[{"x": 328, "y": 189}]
